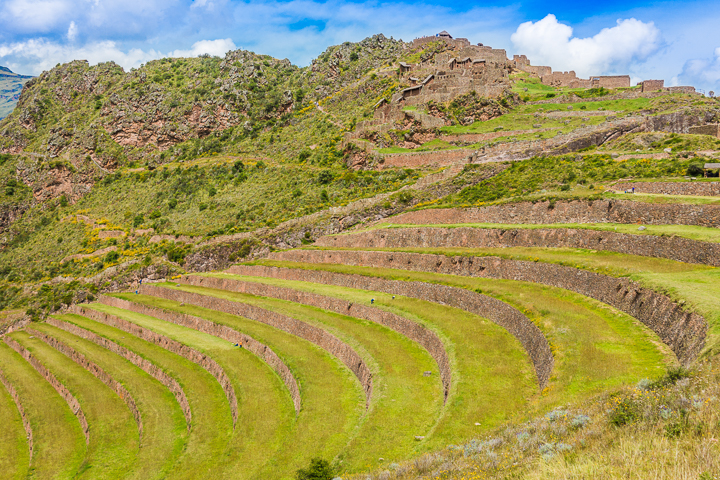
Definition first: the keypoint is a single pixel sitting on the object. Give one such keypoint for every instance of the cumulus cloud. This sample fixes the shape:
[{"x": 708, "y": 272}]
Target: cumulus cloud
[
  {"x": 72, "y": 32},
  {"x": 703, "y": 72},
  {"x": 612, "y": 50},
  {"x": 33, "y": 15},
  {"x": 216, "y": 48}
]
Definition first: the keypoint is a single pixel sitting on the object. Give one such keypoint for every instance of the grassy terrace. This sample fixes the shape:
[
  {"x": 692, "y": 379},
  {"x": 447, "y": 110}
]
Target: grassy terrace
[
  {"x": 211, "y": 427},
  {"x": 332, "y": 399},
  {"x": 58, "y": 439},
  {"x": 655, "y": 198},
  {"x": 698, "y": 285},
  {"x": 259, "y": 433},
  {"x": 492, "y": 376},
  {"x": 595, "y": 346},
  {"x": 692, "y": 232},
  {"x": 399, "y": 388},
  {"x": 113, "y": 432},
  {"x": 164, "y": 428},
  {"x": 14, "y": 452}
]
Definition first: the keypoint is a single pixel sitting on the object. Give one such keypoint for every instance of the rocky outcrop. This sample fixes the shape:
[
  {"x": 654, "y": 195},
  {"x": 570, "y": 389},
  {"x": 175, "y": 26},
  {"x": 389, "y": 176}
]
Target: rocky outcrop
[
  {"x": 684, "y": 332},
  {"x": 578, "y": 211},
  {"x": 673, "y": 248},
  {"x": 23, "y": 416},
  {"x": 509, "y": 318},
  {"x": 220, "y": 331},
  {"x": 96, "y": 371},
  {"x": 62, "y": 390},
  {"x": 328, "y": 342},
  {"x": 207, "y": 363},
  {"x": 412, "y": 330}
]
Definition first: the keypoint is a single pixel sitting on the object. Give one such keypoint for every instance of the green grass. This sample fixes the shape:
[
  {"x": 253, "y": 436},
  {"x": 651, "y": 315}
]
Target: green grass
[
  {"x": 265, "y": 410},
  {"x": 164, "y": 428},
  {"x": 332, "y": 399},
  {"x": 114, "y": 438},
  {"x": 493, "y": 379},
  {"x": 58, "y": 439},
  {"x": 211, "y": 421},
  {"x": 399, "y": 388},
  {"x": 674, "y": 199},
  {"x": 595, "y": 346},
  {"x": 14, "y": 450},
  {"x": 691, "y": 232}
]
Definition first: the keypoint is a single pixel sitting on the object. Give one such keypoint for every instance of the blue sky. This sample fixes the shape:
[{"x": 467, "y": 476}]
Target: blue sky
[{"x": 675, "y": 41}]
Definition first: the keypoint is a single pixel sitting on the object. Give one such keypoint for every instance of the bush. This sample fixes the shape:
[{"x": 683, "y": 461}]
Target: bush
[
  {"x": 325, "y": 177},
  {"x": 625, "y": 412},
  {"x": 138, "y": 220},
  {"x": 319, "y": 469},
  {"x": 695, "y": 170}
]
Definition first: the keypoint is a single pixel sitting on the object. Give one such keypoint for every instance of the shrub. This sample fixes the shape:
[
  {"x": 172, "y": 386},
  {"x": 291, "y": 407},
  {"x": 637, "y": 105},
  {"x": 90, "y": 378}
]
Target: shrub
[
  {"x": 625, "y": 412},
  {"x": 138, "y": 220},
  {"x": 155, "y": 214},
  {"x": 695, "y": 170},
  {"x": 353, "y": 56},
  {"x": 111, "y": 257},
  {"x": 172, "y": 203},
  {"x": 324, "y": 196},
  {"x": 319, "y": 469},
  {"x": 325, "y": 177}
]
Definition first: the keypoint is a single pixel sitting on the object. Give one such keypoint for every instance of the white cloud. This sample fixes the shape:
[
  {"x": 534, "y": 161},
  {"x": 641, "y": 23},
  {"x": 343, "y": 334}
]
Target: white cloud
[
  {"x": 72, "y": 32},
  {"x": 216, "y": 48},
  {"x": 612, "y": 50},
  {"x": 34, "y": 15},
  {"x": 703, "y": 72}
]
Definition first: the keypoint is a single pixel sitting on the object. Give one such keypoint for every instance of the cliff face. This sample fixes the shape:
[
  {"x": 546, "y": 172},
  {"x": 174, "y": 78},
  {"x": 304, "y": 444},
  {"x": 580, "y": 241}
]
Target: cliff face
[{"x": 11, "y": 85}]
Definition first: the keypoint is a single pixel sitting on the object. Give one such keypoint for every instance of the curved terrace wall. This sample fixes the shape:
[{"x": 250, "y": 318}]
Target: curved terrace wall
[
  {"x": 23, "y": 416},
  {"x": 145, "y": 365},
  {"x": 94, "y": 369},
  {"x": 684, "y": 332},
  {"x": 673, "y": 248},
  {"x": 577, "y": 211},
  {"x": 511, "y": 319},
  {"x": 333, "y": 345},
  {"x": 703, "y": 189},
  {"x": 412, "y": 330},
  {"x": 210, "y": 365},
  {"x": 71, "y": 401},
  {"x": 216, "y": 330}
]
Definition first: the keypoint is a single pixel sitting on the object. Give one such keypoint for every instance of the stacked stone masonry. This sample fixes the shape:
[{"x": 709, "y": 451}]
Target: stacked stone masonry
[
  {"x": 96, "y": 371},
  {"x": 713, "y": 129},
  {"x": 509, "y": 318},
  {"x": 412, "y": 330},
  {"x": 703, "y": 189},
  {"x": 328, "y": 342},
  {"x": 673, "y": 248},
  {"x": 226, "y": 333},
  {"x": 23, "y": 416},
  {"x": 71, "y": 401},
  {"x": 684, "y": 332},
  {"x": 145, "y": 365},
  {"x": 579, "y": 211},
  {"x": 207, "y": 363}
]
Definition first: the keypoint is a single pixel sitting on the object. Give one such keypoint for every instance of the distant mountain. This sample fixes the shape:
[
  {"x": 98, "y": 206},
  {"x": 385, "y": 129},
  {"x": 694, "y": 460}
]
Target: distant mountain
[{"x": 10, "y": 86}]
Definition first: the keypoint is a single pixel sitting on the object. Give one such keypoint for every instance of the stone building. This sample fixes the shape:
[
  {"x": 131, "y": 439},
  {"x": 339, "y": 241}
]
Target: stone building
[
  {"x": 652, "y": 85},
  {"x": 710, "y": 129}
]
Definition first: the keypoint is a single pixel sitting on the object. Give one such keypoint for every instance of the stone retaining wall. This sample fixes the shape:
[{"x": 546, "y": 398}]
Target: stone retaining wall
[
  {"x": 216, "y": 330},
  {"x": 23, "y": 416},
  {"x": 704, "y": 189},
  {"x": 210, "y": 365},
  {"x": 71, "y": 401},
  {"x": 440, "y": 158},
  {"x": 684, "y": 332},
  {"x": 333, "y": 345},
  {"x": 97, "y": 372},
  {"x": 578, "y": 211},
  {"x": 412, "y": 330},
  {"x": 673, "y": 248},
  {"x": 145, "y": 365},
  {"x": 509, "y": 318}
]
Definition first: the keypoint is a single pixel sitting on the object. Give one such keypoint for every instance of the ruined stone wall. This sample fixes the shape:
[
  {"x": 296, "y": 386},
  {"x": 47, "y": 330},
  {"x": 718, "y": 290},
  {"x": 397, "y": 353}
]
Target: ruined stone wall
[
  {"x": 682, "y": 89},
  {"x": 673, "y": 248},
  {"x": 413, "y": 160},
  {"x": 712, "y": 129},
  {"x": 412, "y": 330},
  {"x": 96, "y": 371},
  {"x": 23, "y": 416},
  {"x": 652, "y": 85},
  {"x": 71, "y": 401},
  {"x": 611, "y": 81},
  {"x": 220, "y": 331},
  {"x": 540, "y": 71},
  {"x": 684, "y": 332},
  {"x": 704, "y": 189},
  {"x": 577, "y": 211},
  {"x": 145, "y": 365},
  {"x": 207, "y": 363},
  {"x": 509, "y": 318},
  {"x": 559, "y": 79},
  {"x": 333, "y": 345}
]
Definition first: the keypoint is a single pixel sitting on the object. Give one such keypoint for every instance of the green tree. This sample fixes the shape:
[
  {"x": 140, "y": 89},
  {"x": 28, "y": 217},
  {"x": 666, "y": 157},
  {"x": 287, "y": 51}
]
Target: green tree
[{"x": 319, "y": 469}]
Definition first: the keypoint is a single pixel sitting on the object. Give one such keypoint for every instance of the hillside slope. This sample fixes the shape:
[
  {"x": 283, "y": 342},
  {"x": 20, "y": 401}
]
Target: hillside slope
[{"x": 11, "y": 85}]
